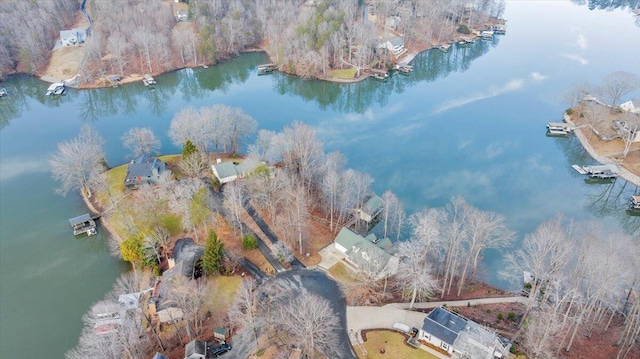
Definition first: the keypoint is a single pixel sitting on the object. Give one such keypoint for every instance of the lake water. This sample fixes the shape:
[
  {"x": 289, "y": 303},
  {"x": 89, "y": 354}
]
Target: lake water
[{"x": 467, "y": 123}]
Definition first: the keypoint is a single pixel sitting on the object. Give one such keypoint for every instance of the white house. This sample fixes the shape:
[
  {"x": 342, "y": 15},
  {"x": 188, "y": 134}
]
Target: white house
[
  {"x": 632, "y": 106},
  {"x": 395, "y": 45},
  {"x": 73, "y": 37},
  {"x": 229, "y": 171},
  {"x": 461, "y": 337}
]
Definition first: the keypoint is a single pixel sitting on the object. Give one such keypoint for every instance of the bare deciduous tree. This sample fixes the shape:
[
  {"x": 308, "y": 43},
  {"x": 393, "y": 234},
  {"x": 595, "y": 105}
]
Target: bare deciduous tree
[
  {"x": 311, "y": 320},
  {"x": 141, "y": 141},
  {"x": 619, "y": 84},
  {"x": 76, "y": 160}
]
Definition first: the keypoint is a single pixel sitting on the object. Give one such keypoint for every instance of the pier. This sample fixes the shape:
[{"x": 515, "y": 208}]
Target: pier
[
  {"x": 266, "y": 68},
  {"x": 84, "y": 224}
]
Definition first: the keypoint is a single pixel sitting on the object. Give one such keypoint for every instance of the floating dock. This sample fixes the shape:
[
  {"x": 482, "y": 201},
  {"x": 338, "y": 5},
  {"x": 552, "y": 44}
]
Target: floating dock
[
  {"x": 83, "y": 224},
  {"x": 3, "y": 92},
  {"x": 559, "y": 128},
  {"x": 266, "y": 68},
  {"x": 56, "y": 88},
  {"x": 609, "y": 171},
  {"x": 148, "y": 80}
]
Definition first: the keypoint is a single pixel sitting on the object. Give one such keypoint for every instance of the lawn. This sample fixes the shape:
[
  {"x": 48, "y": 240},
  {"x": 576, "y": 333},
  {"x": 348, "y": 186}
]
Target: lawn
[
  {"x": 222, "y": 290},
  {"x": 341, "y": 273},
  {"x": 393, "y": 345},
  {"x": 343, "y": 74}
]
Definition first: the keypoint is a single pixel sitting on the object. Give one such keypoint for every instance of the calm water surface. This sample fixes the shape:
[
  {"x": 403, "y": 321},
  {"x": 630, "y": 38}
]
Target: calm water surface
[{"x": 467, "y": 123}]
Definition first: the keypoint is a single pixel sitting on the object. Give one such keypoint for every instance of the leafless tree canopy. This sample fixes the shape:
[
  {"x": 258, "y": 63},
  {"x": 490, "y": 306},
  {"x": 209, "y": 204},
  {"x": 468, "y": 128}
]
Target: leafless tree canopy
[
  {"x": 141, "y": 141},
  {"x": 311, "y": 320},
  {"x": 143, "y": 36},
  {"x": 76, "y": 160}
]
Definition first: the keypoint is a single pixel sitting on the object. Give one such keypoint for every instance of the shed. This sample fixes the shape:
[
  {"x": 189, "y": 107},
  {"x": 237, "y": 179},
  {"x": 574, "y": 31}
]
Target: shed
[
  {"x": 221, "y": 333},
  {"x": 195, "y": 349}
]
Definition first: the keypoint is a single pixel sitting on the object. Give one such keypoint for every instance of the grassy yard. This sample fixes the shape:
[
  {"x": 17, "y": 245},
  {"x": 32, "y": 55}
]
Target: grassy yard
[
  {"x": 343, "y": 74},
  {"x": 341, "y": 273},
  {"x": 222, "y": 290},
  {"x": 393, "y": 345}
]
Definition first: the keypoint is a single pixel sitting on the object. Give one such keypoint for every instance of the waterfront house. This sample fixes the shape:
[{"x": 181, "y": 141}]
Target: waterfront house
[
  {"x": 368, "y": 252},
  {"x": 395, "y": 45},
  {"x": 73, "y": 37},
  {"x": 632, "y": 106},
  {"x": 195, "y": 349},
  {"x": 227, "y": 172},
  {"x": 372, "y": 207},
  {"x": 461, "y": 337},
  {"x": 144, "y": 169}
]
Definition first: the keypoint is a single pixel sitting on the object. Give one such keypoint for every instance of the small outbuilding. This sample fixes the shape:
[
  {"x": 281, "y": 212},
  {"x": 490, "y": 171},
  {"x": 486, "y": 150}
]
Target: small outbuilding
[
  {"x": 221, "y": 334},
  {"x": 195, "y": 349},
  {"x": 159, "y": 356}
]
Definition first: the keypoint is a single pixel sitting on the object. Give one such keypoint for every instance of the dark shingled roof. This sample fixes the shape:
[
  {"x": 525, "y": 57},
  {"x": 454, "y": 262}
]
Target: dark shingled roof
[
  {"x": 443, "y": 325},
  {"x": 142, "y": 169},
  {"x": 186, "y": 254}
]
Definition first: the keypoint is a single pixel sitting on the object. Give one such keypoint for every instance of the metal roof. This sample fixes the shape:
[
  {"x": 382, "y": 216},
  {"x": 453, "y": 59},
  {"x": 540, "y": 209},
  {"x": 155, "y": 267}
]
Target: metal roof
[{"x": 80, "y": 219}]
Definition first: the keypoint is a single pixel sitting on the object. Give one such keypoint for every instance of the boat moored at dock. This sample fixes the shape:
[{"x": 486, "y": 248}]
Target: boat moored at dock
[
  {"x": 558, "y": 129},
  {"x": 148, "y": 80},
  {"x": 83, "y": 224},
  {"x": 56, "y": 88},
  {"x": 266, "y": 68}
]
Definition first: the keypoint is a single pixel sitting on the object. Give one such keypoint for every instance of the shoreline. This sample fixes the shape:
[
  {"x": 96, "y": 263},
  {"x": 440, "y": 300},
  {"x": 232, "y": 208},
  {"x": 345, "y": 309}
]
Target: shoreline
[
  {"x": 624, "y": 173},
  {"x": 136, "y": 77}
]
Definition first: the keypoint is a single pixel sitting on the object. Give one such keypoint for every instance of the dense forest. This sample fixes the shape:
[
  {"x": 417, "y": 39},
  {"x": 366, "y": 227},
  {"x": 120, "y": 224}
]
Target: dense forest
[{"x": 304, "y": 38}]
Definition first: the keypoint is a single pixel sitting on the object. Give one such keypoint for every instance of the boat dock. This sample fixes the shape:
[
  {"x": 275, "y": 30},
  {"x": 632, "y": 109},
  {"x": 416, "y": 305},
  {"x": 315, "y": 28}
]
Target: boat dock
[
  {"x": 608, "y": 171},
  {"x": 84, "y": 224},
  {"x": 56, "y": 88},
  {"x": 3, "y": 92},
  {"x": 559, "y": 128},
  {"x": 148, "y": 80},
  {"x": 635, "y": 203},
  {"x": 266, "y": 68}
]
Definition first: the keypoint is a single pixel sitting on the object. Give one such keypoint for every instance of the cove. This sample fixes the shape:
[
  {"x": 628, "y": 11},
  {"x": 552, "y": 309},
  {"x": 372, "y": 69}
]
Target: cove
[{"x": 468, "y": 123}]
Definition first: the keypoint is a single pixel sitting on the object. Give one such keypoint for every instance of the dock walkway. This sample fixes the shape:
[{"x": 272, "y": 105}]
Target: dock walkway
[{"x": 624, "y": 173}]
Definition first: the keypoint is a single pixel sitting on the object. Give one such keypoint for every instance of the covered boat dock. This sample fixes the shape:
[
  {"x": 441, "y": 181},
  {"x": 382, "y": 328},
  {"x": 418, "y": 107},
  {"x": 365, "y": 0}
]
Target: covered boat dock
[{"x": 83, "y": 224}]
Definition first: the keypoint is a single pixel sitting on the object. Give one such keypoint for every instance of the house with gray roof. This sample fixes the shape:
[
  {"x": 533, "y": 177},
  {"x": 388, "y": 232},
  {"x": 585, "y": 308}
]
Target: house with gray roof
[
  {"x": 144, "y": 170},
  {"x": 368, "y": 252},
  {"x": 73, "y": 37},
  {"x": 461, "y": 337},
  {"x": 230, "y": 171},
  {"x": 195, "y": 349},
  {"x": 186, "y": 255},
  {"x": 371, "y": 208}
]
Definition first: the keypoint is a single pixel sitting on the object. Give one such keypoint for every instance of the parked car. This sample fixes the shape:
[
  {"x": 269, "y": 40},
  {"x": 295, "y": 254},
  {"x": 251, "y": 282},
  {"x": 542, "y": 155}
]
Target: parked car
[{"x": 218, "y": 350}]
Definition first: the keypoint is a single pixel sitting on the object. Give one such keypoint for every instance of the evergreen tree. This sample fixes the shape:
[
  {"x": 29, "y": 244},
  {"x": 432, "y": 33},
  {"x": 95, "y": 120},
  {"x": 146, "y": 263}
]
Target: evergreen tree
[
  {"x": 213, "y": 252},
  {"x": 188, "y": 149}
]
